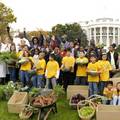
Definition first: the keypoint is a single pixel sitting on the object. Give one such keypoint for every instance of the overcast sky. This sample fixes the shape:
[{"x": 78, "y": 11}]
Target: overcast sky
[{"x": 34, "y": 14}]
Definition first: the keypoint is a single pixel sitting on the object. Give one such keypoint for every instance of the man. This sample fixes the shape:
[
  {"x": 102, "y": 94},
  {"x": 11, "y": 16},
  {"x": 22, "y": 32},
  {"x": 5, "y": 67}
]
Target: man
[{"x": 112, "y": 56}]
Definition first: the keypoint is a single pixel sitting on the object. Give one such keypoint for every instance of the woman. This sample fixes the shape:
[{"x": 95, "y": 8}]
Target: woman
[{"x": 12, "y": 64}]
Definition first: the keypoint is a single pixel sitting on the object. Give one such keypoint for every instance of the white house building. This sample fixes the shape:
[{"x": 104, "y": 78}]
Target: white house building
[{"x": 102, "y": 30}]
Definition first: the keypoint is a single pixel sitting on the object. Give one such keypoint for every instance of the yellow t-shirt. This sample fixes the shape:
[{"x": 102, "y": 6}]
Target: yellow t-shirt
[
  {"x": 27, "y": 66},
  {"x": 116, "y": 93},
  {"x": 108, "y": 93},
  {"x": 20, "y": 54},
  {"x": 41, "y": 64},
  {"x": 52, "y": 68},
  {"x": 93, "y": 67},
  {"x": 68, "y": 62},
  {"x": 105, "y": 67},
  {"x": 81, "y": 70}
]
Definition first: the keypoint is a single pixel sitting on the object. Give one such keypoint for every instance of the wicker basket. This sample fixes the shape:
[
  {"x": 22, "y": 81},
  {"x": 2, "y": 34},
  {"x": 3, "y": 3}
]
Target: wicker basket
[
  {"x": 95, "y": 97},
  {"x": 85, "y": 103},
  {"x": 22, "y": 115},
  {"x": 87, "y": 117},
  {"x": 74, "y": 105}
]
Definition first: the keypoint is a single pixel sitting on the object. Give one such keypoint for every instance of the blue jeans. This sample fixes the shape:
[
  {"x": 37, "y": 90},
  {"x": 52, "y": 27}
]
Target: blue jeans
[
  {"x": 12, "y": 71},
  {"x": 24, "y": 77},
  {"x": 80, "y": 80},
  {"x": 38, "y": 81},
  {"x": 51, "y": 83},
  {"x": 93, "y": 88},
  {"x": 102, "y": 85}
]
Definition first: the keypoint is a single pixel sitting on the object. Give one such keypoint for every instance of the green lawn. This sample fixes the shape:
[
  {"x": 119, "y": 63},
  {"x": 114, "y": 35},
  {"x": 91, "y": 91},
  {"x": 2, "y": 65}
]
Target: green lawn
[{"x": 64, "y": 112}]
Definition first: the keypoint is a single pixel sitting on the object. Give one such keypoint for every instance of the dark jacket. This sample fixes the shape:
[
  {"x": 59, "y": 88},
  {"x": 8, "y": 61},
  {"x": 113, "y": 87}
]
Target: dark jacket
[{"x": 115, "y": 58}]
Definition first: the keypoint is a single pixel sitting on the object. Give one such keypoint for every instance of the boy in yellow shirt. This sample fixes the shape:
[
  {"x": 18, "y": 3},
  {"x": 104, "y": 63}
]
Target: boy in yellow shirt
[
  {"x": 81, "y": 73},
  {"x": 105, "y": 67},
  {"x": 93, "y": 75},
  {"x": 68, "y": 69},
  {"x": 108, "y": 92},
  {"x": 40, "y": 70},
  {"x": 52, "y": 72}
]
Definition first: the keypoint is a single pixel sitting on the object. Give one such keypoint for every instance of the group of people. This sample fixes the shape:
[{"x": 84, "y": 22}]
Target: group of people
[{"x": 64, "y": 63}]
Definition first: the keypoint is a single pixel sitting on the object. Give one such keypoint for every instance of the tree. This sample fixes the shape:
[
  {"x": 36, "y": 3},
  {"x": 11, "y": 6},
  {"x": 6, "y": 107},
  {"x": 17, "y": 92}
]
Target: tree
[
  {"x": 72, "y": 31},
  {"x": 6, "y": 17}
]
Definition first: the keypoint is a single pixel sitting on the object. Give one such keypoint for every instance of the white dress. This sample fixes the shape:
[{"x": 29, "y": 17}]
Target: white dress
[{"x": 3, "y": 66}]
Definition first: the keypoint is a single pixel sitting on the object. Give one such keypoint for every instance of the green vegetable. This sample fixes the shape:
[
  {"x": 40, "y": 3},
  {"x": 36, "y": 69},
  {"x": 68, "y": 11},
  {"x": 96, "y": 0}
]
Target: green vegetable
[
  {"x": 59, "y": 90},
  {"x": 86, "y": 112},
  {"x": 6, "y": 56}
]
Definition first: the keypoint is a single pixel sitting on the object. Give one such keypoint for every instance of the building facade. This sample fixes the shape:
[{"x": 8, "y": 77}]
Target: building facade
[{"x": 102, "y": 30}]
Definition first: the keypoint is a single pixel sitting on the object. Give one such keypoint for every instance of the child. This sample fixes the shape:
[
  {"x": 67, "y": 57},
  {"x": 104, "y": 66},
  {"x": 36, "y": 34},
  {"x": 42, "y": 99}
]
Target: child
[
  {"x": 81, "y": 73},
  {"x": 40, "y": 69},
  {"x": 93, "y": 75},
  {"x": 116, "y": 95},
  {"x": 68, "y": 69},
  {"x": 108, "y": 92},
  {"x": 52, "y": 72},
  {"x": 25, "y": 68},
  {"x": 105, "y": 67}
]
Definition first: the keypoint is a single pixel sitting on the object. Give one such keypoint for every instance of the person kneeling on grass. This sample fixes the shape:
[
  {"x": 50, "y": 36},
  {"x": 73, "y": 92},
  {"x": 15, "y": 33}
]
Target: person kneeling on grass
[
  {"x": 116, "y": 95},
  {"x": 108, "y": 92},
  {"x": 52, "y": 72}
]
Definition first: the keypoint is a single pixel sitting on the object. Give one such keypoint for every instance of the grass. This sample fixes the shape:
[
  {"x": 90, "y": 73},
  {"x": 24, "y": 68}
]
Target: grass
[{"x": 64, "y": 112}]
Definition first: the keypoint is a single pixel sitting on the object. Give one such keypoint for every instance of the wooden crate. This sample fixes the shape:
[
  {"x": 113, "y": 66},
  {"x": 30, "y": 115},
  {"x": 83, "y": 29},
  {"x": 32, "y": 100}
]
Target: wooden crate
[
  {"x": 108, "y": 112},
  {"x": 17, "y": 102},
  {"x": 74, "y": 89},
  {"x": 115, "y": 80}
]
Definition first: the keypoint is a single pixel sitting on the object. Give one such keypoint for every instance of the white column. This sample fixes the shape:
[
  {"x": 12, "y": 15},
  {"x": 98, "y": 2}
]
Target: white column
[
  {"x": 113, "y": 34},
  {"x": 118, "y": 35},
  {"x": 95, "y": 35},
  {"x": 90, "y": 34},
  {"x": 101, "y": 35},
  {"x": 108, "y": 42}
]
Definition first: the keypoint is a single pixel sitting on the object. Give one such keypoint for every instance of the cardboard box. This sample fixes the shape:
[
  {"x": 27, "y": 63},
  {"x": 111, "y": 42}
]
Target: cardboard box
[
  {"x": 17, "y": 102},
  {"x": 108, "y": 112},
  {"x": 74, "y": 89},
  {"x": 115, "y": 80}
]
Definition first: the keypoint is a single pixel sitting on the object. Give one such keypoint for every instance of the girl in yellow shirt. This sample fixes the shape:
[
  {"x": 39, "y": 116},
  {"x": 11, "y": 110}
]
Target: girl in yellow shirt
[
  {"x": 105, "y": 67},
  {"x": 40, "y": 70},
  {"x": 52, "y": 72},
  {"x": 93, "y": 75},
  {"x": 25, "y": 67},
  {"x": 116, "y": 95},
  {"x": 81, "y": 73}
]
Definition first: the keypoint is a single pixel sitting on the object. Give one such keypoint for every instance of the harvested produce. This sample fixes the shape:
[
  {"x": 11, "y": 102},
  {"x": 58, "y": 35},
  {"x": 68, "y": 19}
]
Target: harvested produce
[
  {"x": 7, "y": 56},
  {"x": 93, "y": 73},
  {"x": 23, "y": 60},
  {"x": 26, "y": 112},
  {"x": 76, "y": 98},
  {"x": 43, "y": 101},
  {"x": 81, "y": 61},
  {"x": 86, "y": 112}
]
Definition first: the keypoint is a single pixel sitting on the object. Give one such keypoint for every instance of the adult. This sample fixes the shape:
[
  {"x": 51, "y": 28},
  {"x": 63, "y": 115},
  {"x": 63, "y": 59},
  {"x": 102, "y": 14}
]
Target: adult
[{"x": 112, "y": 56}]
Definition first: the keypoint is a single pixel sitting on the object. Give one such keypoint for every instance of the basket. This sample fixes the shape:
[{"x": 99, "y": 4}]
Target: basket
[
  {"x": 93, "y": 98},
  {"x": 85, "y": 103},
  {"x": 74, "y": 105},
  {"x": 87, "y": 117},
  {"x": 22, "y": 115}
]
